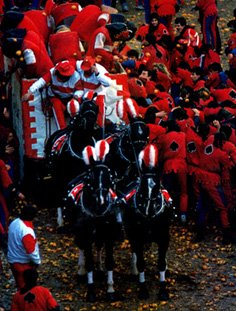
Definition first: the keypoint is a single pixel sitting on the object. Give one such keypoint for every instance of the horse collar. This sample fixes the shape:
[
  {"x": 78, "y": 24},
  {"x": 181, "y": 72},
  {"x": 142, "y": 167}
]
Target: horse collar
[
  {"x": 88, "y": 213},
  {"x": 74, "y": 154}
]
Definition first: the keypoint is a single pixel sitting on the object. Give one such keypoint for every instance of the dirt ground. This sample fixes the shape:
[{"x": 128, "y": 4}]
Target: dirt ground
[{"x": 202, "y": 276}]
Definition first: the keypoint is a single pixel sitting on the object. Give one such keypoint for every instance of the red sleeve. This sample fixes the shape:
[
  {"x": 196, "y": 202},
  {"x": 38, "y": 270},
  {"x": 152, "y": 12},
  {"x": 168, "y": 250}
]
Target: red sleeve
[
  {"x": 47, "y": 77},
  {"x": 29, "y": 243}
]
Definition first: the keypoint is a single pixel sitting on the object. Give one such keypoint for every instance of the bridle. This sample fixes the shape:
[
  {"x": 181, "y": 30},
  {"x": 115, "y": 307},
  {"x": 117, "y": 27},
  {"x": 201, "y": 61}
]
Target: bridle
[{"x": 149, "y": 200}]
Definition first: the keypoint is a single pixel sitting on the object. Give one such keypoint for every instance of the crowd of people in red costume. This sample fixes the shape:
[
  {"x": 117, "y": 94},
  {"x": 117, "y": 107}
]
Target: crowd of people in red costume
[{"x": 177, "y": 83}]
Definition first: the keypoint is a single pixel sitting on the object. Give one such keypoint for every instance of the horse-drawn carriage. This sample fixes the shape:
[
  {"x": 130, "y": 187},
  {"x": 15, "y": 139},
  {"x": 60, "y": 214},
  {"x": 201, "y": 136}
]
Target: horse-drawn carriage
[{"x": 102, "y": 201}]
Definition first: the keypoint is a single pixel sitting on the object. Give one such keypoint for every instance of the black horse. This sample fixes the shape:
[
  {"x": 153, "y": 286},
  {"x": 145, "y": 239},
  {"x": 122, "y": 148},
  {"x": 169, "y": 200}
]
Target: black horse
[
  {"x": 123, "y": 157},
  {"x": 146, "y": 219},
  {"x": 63, "y": 150},
  {"x": 96, "y": 218}
]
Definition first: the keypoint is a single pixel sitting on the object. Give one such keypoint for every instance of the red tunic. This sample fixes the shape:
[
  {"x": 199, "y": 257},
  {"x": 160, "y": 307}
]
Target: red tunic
[
  {"x": 194, "y": 147},
  {"x": 212, "y": 161},
  {"x": 38, "y": 298},
  {"x": 172, "y": 146},
  {"x": 62, "y": 11},
  {"x": 88, "y": 20},
  {"x": 36, "y": 58},
  {"x": 101, "y": 44},
  {"x": 64, "y": 46},
  {"x": 163, "y": 7},
  {"x": 41, "y": 20}
]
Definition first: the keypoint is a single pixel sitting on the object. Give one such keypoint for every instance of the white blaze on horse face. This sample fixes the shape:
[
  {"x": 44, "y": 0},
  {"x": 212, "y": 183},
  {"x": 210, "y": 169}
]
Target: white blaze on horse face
[
  {"x": 102, "y": 201},
  {"x": 140, "y": 131},
  {"x": 151, "y": 185}
]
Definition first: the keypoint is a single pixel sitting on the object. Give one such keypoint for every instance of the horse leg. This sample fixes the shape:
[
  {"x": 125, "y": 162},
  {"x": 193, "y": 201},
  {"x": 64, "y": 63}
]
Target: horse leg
[
  {"x": 81, "y": 263},
  {"x": 89, "y": 265},
  {"x": 163, "y": 292},
  {"x": 139, "y": 250},
  {"x": 100, "y": 270},
  {"x": 60, "y": 220},
  {"x": 109, "y": 263},
  {"x": 134, "y": 269},
  {"x": 99, "y": 261}
]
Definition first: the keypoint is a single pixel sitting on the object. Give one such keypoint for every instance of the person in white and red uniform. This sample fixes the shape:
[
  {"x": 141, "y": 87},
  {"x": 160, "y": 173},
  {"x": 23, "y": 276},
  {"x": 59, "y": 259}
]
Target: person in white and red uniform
[
  {"x": 23, "y": 249},
  {"x": 93, "y": 77},
  {"x": 63, "y": 81}
]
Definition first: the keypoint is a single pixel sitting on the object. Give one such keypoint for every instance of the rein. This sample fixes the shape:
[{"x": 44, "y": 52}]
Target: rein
[{"x": 135, "y": 155}]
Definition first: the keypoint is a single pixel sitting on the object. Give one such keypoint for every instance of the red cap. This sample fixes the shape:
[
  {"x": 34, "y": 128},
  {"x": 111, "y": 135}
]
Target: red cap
[
  {"x": 65, "y": 68},
  {"x": 87, "y": 63}
]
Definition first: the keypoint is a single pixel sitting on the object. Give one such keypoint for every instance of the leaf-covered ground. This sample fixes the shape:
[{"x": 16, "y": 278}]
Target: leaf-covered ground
[{"x": 201, "y": 276}]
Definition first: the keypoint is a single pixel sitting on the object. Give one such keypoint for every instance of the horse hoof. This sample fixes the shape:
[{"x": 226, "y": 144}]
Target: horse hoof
[
  {"x": 112, "y": 297},
  {"x": 143, "y": 292},
  {"x": 91, "y": 295},
  {"x": 163, "y": 292}
]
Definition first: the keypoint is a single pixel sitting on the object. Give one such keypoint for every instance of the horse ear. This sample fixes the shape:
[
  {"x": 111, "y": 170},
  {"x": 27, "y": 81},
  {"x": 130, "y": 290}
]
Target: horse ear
[
  {"x": 101, "y": 149},
  {"x": 89, "y": 155},
  {"x": 148, "y": 156}
]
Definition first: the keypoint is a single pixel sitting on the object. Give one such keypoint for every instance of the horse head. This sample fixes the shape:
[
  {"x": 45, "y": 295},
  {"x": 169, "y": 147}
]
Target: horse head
[
  {"x": 92, "y": 192},
  {"x": 139, "y": 134},
  {"x": 96, "y": 199},
  {"x": 87, "y": 116},
  {"x": 148, "y": 200}
]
